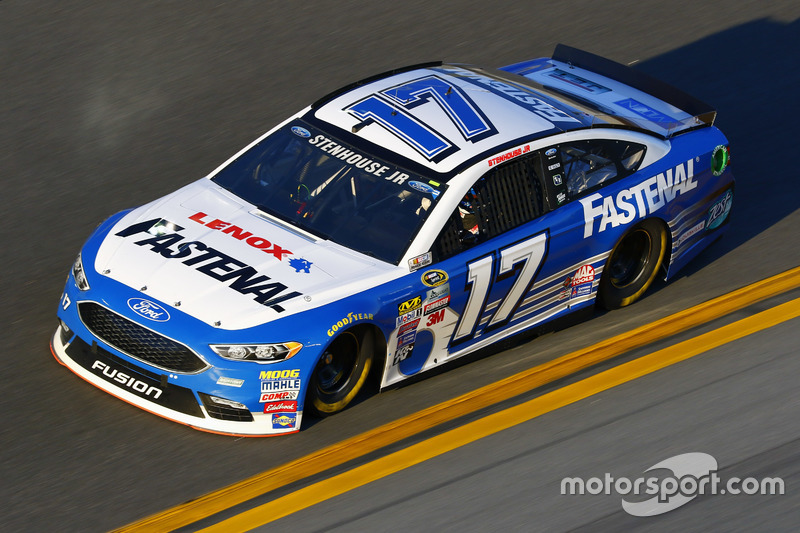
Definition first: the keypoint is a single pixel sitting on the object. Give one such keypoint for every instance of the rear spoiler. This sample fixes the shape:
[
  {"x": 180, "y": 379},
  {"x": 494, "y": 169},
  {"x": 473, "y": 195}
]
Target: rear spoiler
[{"x": 702, "y": 112}]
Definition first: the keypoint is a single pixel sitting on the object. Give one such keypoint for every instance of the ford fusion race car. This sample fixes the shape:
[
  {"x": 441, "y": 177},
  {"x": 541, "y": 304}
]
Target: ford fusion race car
[{"x": 396, "y": 224}]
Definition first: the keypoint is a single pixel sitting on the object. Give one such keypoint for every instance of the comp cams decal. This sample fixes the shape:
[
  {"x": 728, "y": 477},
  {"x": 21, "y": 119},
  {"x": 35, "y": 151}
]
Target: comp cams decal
[
  {"x": 639, "y": 201},
  {"x": 241, "y": 277}
]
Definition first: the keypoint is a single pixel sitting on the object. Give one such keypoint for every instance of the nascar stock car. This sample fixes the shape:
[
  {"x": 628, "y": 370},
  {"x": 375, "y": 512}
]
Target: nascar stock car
[{"x": 396, "y": 224}]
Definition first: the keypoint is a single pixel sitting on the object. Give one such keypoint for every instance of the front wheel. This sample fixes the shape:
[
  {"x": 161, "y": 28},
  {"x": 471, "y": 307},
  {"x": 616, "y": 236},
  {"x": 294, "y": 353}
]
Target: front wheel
[
  {"x": 340, "y": 373},
  {"x": 632, "y": 265}
]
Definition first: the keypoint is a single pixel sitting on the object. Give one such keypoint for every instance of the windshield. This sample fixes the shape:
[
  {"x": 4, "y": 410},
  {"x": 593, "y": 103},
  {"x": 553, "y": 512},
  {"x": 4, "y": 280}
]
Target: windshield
[{"x": 314, "y": 181}]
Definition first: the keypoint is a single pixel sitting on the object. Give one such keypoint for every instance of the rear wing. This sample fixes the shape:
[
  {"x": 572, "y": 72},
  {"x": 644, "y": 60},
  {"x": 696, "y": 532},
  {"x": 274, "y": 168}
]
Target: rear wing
[{"x": 615, "y": 91}]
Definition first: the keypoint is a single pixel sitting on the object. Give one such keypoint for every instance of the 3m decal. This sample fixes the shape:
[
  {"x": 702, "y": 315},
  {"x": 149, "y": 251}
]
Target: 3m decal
[
  {"x": 391, "y": 109},
  {"x": 435, "y": 318},
  {"x": 242, "y": 278},
  {"x": 524, "y": 259},
  {"x": 640, "y": 200}
]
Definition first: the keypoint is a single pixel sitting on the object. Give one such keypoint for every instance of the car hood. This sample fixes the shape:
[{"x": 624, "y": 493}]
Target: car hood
[{"x": 217, "y": 258}]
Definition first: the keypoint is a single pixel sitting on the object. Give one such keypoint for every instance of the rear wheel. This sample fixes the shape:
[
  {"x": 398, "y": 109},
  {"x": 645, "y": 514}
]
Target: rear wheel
[
  {"x": 632, "y": 265},
  {"x": 340, "y": 373}
]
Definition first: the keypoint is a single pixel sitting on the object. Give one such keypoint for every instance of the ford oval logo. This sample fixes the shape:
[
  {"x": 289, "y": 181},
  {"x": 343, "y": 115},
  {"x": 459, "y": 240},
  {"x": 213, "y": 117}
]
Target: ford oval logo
[
  {"x": 148, "y": 309},
  {"x": 422, "y": 187},
  {"x": 301, "y": 132}
]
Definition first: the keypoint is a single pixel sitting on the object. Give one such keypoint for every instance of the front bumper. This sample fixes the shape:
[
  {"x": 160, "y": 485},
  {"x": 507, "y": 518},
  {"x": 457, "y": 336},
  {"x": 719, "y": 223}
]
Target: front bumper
[{"x": 158, "y": 394}]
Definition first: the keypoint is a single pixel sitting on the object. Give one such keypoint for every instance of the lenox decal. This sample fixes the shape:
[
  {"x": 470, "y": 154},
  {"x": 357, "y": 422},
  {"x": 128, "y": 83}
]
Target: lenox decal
[
  {"x": 148, "y": 309},
  {"x": 238, "y": 233},
  {"x": 242, "y": 278},
  {"x": 640, "y": 200}
]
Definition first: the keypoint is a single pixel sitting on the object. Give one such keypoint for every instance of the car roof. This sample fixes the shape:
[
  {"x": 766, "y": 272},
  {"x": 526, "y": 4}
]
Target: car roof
[{"x": 442, "y": 116}]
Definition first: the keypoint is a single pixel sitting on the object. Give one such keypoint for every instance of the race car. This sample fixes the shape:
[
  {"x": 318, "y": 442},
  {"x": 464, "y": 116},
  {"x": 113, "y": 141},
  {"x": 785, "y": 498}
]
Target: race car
[{"x": 393, "y": 226}]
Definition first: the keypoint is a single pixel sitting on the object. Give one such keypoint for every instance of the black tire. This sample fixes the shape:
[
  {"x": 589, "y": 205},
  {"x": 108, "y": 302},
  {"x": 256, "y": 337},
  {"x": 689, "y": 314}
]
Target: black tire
[
  {"x": 340, "y": 373},
  {"x": 632, "y": 265}
]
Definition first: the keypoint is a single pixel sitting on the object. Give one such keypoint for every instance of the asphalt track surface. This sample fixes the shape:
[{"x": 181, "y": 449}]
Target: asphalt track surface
[{"x": 107, "y": 105}]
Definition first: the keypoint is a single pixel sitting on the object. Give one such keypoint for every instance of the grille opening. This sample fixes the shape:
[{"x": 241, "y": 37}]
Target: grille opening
[{"x": 138, "y": 341}]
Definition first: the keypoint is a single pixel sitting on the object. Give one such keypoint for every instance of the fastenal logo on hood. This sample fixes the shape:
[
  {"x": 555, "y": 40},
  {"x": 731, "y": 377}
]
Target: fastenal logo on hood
[{"x": 148, "y": 309}]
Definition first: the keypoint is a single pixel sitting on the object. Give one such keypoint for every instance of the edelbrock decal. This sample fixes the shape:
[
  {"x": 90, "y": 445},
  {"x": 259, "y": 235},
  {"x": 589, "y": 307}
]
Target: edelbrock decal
[
  {"x": 243, "y": 278},
  {"x": 148, "y": 309}
]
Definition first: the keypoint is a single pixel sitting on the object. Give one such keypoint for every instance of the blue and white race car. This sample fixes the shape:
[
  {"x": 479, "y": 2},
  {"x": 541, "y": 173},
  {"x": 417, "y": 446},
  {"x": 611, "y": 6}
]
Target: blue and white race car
[{"x": 394, "y": 225}]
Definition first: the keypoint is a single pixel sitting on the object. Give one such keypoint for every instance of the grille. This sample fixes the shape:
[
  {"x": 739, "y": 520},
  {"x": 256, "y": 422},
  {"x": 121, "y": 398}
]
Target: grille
[
  {"x": 224, "y": 412},
  {"x": 138, "y": 341}
]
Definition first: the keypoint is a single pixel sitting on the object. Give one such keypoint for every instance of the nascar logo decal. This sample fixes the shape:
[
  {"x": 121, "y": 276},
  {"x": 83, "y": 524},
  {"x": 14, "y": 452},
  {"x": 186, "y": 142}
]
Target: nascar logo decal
[
  {"x": 148, "y": 309},
  {"x": 434, "y": 278}
]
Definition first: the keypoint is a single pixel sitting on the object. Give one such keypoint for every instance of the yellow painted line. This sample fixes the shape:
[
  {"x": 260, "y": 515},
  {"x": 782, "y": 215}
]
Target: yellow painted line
[
  {"x": 473, "y": 431},
  {"x": 370, "y": 441}
]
